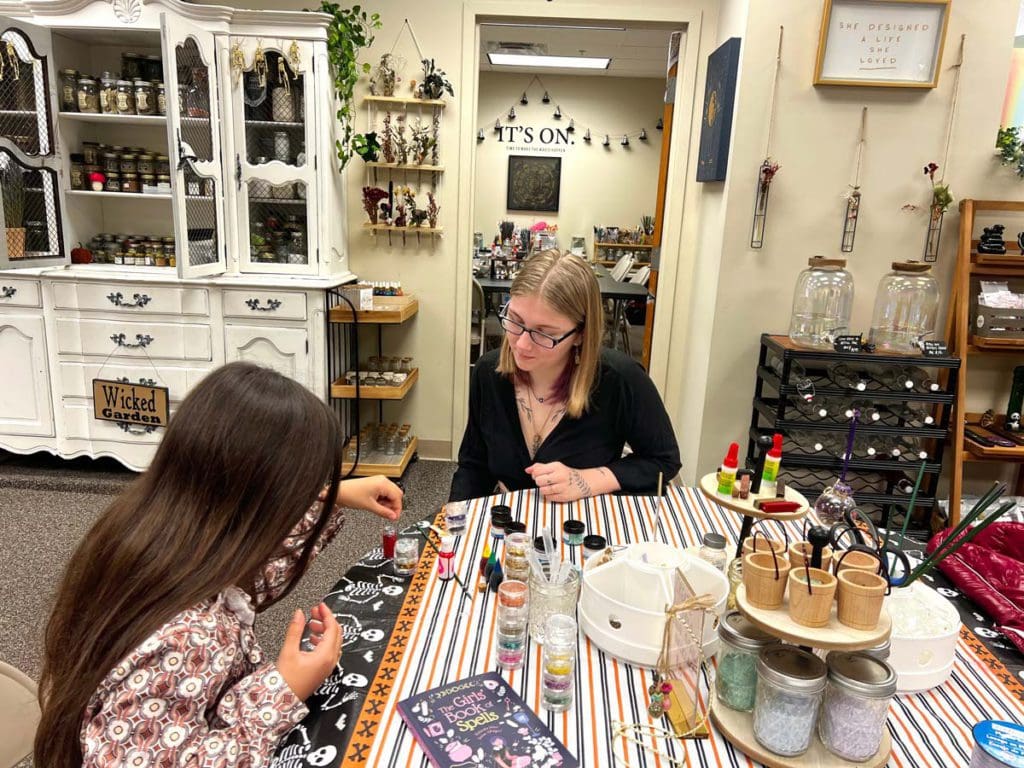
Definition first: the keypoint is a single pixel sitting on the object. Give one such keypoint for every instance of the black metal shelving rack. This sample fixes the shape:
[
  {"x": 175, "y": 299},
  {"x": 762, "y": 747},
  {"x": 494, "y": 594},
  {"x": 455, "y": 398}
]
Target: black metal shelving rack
[{"x": 875, "y": 480}]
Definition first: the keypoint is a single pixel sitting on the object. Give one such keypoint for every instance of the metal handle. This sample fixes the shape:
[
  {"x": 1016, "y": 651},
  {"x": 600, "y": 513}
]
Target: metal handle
[
  {"x": 117, "y": 299},
  {"x": 238, "y": 172},
  {"x": 254, "y": 305},
  {"x": 141, "y": 341},
  {"x": 7, "y": 291}
]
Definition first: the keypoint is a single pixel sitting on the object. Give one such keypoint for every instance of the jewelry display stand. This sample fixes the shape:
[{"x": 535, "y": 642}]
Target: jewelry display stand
[{"x": 709, "y": 487}]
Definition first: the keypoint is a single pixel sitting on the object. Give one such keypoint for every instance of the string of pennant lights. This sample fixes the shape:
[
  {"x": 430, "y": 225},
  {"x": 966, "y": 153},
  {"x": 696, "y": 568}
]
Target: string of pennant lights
[{"x": 589, "y": 134}]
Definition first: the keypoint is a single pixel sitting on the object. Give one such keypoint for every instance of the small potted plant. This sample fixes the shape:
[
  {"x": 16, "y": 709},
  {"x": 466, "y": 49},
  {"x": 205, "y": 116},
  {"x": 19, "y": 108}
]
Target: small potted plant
[{"x": 435, "y": 82}]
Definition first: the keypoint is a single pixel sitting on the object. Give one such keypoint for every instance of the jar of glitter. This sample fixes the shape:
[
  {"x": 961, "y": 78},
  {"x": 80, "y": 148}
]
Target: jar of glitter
[
  {"x": 455, "y": 516},
  {"x": 789, "y": 691},
  {"x": 516, "y": 566},
  {"x": 857, "y": 696},
  {"x": 548, "y": 599},
  {"x": 500, "y": 515},
  {"x": 512, "y": 615},
  {"x": 573, "y": 532},
  {"x": 593, "y": 545},
  {"x": 559, "y": 662},
  {"x": 741, "y": 642}
]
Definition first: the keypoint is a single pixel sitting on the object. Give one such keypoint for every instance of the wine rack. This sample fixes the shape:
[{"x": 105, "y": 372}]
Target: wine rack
[{"x": 905, "y": 419}]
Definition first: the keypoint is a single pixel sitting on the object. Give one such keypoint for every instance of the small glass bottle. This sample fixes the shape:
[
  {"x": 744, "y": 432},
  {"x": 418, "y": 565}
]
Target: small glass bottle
[
  {"x": 113, "y": 182},
  {"x": 161, "y": 99},
  {"x": 78, "y": 180},
  {"x": 69, "y": 90},
  {"x": 407, "y": 555},
  {"x": 108, "y": 94},
  {"x": 857, "y": 697},
  {"x": 712, "y": 550},
  {"x": 789, "y": 692},
  {"x": 446, "y": 559},
  {"x": 125, "y": 97},
  {"x": 735, "y": 575},
  {"x": 834, "y": 503},
  {"x": 389, "y": 534},
  {"x": 736, "y": 679},
  {"x": 145, "y": 97},
  {"x": 88, "y": 95}
]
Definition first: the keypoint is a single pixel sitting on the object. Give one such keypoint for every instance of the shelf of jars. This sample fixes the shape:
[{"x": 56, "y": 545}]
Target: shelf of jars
[
  {"x": 163, "y": 196},
  {"x": 384, "y": 389},
  {"x": 113, "y": 119},
  {"x": 390, "y": 458}
]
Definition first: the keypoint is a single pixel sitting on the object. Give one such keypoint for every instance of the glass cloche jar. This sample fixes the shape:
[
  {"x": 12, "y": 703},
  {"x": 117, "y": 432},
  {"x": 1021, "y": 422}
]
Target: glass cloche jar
[
  {"x": 905, "y": 308},
  {"x": 822, "y": 303}
]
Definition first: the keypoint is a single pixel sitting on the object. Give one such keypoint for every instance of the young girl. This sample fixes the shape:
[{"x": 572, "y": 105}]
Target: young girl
[
  {"x": 551, "y": 409},
  {"x": 150, "y": 657}
]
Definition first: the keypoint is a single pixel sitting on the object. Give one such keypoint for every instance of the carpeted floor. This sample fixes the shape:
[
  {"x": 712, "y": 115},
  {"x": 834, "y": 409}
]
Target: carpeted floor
[{"x": 47, "y": 505}]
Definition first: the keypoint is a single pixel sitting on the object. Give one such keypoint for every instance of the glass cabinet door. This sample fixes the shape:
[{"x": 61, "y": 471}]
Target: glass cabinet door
[
  {"x": 30, "y": 201},
  {"x": 193, "y": 140},
  {"x": 275, "y": 172}
]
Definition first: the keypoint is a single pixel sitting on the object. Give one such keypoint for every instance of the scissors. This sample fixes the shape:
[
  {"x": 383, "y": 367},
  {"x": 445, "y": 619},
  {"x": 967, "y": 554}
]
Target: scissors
[{"x": 857, "y": 532}]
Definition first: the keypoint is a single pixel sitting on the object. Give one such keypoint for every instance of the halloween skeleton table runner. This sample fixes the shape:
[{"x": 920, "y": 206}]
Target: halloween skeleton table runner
[{"x": 440, "y": 635}]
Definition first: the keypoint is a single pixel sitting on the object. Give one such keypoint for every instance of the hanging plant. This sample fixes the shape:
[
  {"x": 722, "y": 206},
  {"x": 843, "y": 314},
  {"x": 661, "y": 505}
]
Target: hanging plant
[
  {"x": 350, "y": 31},
  {"x": 1010, "y": 149},
  {"x": 435, "y": 82}
]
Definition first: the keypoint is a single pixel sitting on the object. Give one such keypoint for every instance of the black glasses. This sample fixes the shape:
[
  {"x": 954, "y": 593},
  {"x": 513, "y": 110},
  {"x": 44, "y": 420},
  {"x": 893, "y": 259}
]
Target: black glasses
[{"x": 537, "y": 337}]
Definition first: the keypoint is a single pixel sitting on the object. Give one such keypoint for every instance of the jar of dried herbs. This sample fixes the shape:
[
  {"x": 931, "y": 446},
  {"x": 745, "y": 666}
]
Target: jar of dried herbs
[
  {"x": 161, "y": 99},
  {"x": 69, "y": 90},
  {"x": 129, "y": 163},
  {"x": 77, "y": 171},
  {"x": 108, "y": 94},
  {"x": 111, "y": 162},
  {"x": 147, "y": 164},
  {"x": 125, "y": 97},
  {"x": 145, "y": 98},
  {"x": 163, "y": 165},
  {"x": 88, "y": 95},
  {"x": 113, "y": 182},
  {"x": 130, "y": 183}
]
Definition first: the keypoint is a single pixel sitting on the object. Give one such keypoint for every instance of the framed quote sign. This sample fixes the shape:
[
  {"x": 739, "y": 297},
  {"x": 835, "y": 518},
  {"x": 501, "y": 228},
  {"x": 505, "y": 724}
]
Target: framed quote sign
[{"x": 893, "y": 43}]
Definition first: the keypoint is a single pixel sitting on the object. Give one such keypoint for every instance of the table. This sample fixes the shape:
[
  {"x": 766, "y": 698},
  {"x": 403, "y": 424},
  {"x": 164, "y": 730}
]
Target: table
[
  {"x": 440, "y": 635},
  {"x": 615, "y": 291}
]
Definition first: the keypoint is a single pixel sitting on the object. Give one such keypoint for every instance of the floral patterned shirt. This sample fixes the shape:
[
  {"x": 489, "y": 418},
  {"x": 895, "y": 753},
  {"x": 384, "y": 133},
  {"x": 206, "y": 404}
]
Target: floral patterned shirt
[{"x": 199, "y": 691}]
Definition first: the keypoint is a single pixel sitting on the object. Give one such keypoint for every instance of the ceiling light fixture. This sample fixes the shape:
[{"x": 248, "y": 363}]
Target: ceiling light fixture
[{"x": 564, "y": 62}]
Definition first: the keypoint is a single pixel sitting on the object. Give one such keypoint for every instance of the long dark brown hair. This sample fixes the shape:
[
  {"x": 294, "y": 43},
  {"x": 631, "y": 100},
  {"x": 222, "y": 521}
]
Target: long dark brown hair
[{"x": 244, "y": 457}]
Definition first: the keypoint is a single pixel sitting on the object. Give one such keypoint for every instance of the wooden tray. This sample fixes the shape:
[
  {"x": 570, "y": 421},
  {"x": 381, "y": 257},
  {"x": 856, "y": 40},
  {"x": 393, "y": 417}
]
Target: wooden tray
[
  {"x": 386, "y": 310},
  {"x": 393, "y": 471},
  {"x": 709, "y": 487},
  {"x": 345, "y": 391},
  {"x": 832, "y": 637},
  {"x": 738, "y": 729}
]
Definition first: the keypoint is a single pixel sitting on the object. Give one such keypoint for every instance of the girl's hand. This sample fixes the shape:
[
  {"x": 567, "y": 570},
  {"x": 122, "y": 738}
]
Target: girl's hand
[
  {"x": 375, "y": 494},
  {"x": 304, "y": 671}
]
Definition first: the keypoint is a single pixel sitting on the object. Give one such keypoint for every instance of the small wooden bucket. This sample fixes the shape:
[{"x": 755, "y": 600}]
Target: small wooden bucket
[
  {"x": 750, "y": 544},
  {"x": 800, "y": 551},
  {"x": 811, "y": 591},
  {"x": 764, "y": 578},
  {"x": 858, "y": 559},
  {"x": 860, "y": 593}
]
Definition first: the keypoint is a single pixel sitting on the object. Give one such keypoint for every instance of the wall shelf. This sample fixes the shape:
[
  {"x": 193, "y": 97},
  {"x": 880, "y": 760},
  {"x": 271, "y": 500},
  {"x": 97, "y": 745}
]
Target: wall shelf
[
  {"x": 398, "y": 100},
  {"x": 406, "y": 167},
  {"x": 343, "y": 391},
  {"x": 119, "y": 195},
  {"x": 86, "y": 117},
  {"x": 411, "y": 230}
]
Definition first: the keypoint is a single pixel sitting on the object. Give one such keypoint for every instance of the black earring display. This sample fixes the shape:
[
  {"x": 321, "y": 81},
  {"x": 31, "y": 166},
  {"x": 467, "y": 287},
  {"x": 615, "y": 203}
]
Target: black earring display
[{"x": 523, "y": 100}]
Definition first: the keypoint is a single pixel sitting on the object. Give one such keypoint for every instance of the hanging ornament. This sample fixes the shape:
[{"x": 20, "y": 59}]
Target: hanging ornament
[
  {"x": 586, "y": 136},
  {"x": 480, "y": 135},
  {"x": 625, "y": 140},
  {"x": 558, "y": 113},
  {"x": 259, "y": 64},
  {"x": 511, "y": 113},
  {"x": 572, "y": 126},
  {"x": 237, "y": 59},
  {"x": 282, "y": 75},
  {"x": 523, "y": 100},
  {"x": 497, "y": 126},
  {"x": 660, "y": 125},
  {"x": 643, "y": 134},
  {"x": 293, "y": 59},
  {"x": 607, "y": 141},
  {"x": 545, "y": 98}
]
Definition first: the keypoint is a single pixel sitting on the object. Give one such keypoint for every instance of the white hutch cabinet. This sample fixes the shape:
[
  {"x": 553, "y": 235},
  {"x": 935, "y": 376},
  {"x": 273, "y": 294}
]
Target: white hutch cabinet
[{"x": 232, "y": 260}]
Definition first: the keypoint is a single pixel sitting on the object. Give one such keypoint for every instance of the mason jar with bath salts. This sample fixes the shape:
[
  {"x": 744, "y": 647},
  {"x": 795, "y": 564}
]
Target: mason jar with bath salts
[
  {"x": 857, "y": 697},
  {"x": 789, "y": 691}
]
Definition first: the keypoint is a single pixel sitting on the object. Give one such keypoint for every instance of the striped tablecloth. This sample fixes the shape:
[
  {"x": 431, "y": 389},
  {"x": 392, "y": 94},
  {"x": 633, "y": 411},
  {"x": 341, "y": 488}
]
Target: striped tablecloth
[{"x": 442, "y": 636}]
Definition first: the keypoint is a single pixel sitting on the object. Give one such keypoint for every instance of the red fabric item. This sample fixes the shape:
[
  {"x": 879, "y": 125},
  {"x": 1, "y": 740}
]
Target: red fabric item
[{"x": 990, "y": 570}]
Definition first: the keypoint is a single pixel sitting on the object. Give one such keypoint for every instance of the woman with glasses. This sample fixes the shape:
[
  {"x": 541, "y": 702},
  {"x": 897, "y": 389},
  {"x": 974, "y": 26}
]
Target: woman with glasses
[{"x": 551, "y": 408}]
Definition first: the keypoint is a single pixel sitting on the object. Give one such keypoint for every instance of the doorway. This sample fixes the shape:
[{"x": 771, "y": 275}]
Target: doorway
[{"x": 570, "y": 154}]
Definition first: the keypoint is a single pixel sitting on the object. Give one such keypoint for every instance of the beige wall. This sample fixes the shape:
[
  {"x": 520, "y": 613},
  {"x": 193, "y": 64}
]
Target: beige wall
[
  {"x": 599, "y": 186},
  {"x": 815, "y": 139}
]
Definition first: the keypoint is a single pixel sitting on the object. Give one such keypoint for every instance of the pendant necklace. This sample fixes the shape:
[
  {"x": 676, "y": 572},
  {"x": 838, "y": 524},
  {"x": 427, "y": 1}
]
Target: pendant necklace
[{"x": 537, "y": 439}]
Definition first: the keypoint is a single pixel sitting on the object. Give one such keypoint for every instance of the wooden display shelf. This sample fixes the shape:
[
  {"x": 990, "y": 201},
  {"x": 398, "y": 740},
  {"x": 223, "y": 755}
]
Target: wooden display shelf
[
  {"x": 406, "y": 167},
  {"x": 387, "y": 310},
  {"x": 86, "y": 117},
  {"x": 832, "y": 637},
  {"x": 738, "y": 728},
  {"x": 394, "y": 471},
  {"x": 410, "y": 230},
  {"x": 344, "y": 391},
  {"x": 996, "y": 270},
  {"x": 403, "y": 101},
  {"x": 709, "y": 487},
  {"x": 623, "y": 246},
  {"x": 995, "y": 452},
  {"x": 120, "y": 195},
  {"x": 989, "y": 344}
]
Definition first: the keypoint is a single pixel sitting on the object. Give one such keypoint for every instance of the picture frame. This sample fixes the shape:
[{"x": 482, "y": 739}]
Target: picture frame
[
  {"x": 882, "y": 43},
  {"x": 534, "y": 183},
  {"x": 719, "y": 100}
]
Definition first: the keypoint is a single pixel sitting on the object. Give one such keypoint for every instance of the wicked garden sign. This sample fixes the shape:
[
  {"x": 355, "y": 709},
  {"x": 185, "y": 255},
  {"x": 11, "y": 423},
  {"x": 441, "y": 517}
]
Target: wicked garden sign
[{"x": 130, "y": 404}]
